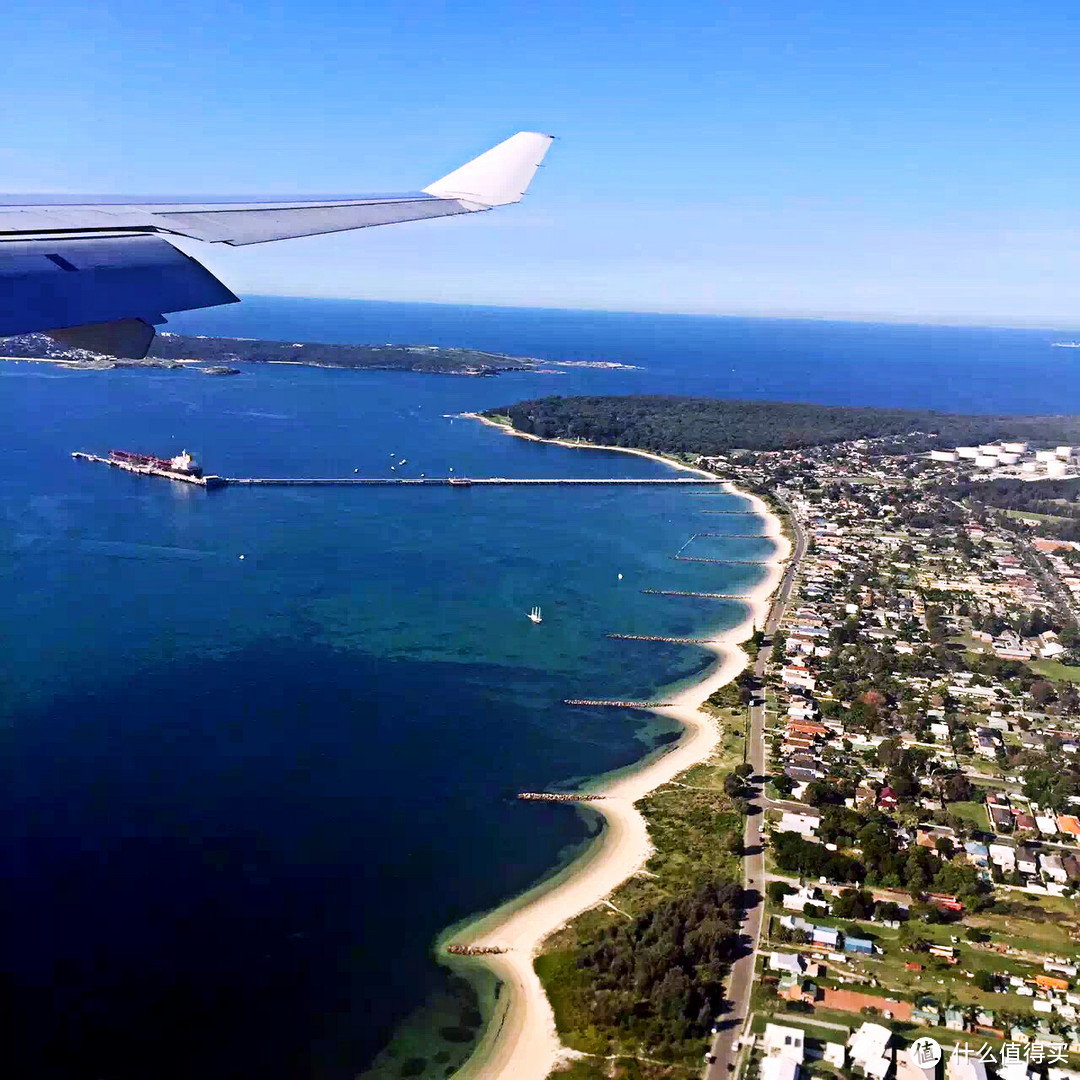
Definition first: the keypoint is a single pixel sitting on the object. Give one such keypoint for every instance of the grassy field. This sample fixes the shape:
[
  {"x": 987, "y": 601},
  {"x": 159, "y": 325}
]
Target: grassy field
[
  {"x": 624, "y": 1069},
  {"x": 975, "y": 812},
  {"x": 1018, "y": 514},
  {"x": 1055, "y": 671}
]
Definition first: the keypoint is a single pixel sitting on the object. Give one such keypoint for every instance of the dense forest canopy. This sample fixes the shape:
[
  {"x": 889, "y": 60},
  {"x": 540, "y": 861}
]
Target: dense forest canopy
[
  {"x": 715, "y": 426},
  {"x": 662, "y": 975},
  {"x": 1058, "y": 498}
]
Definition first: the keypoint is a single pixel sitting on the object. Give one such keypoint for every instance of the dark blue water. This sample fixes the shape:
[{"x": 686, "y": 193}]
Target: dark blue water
[
  {"x": 243, "y": 796},
  {"x": 962, "y": 369}
]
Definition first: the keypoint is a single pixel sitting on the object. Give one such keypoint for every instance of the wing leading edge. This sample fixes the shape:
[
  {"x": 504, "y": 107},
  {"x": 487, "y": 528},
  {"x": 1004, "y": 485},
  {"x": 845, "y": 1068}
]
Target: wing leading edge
[{"x": 93, "y": 273}]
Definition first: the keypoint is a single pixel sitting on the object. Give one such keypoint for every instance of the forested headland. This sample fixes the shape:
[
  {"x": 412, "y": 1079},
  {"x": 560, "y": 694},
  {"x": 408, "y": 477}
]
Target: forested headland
[
  {"x": 709, "y": 426},
  {"x": 169, "y": 349}
]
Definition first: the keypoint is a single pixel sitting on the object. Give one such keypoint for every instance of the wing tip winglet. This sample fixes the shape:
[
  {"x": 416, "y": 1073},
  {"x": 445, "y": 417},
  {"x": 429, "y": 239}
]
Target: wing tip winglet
[{"x": 499, "y": 176}]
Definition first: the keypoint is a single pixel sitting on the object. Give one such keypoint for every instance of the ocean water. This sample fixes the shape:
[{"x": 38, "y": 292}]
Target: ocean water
[
  {"x": 243, "y": 796},
  {"x": 950, "y": 368}
]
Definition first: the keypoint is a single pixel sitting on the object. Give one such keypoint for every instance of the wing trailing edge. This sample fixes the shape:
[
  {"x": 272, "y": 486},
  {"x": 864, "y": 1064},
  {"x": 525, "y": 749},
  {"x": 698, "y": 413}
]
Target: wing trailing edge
[{"x": 100, "y": 273}]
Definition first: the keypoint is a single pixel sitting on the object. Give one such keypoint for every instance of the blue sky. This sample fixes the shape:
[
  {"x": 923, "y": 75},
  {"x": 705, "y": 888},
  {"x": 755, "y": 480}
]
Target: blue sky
[{"x": 914, "y": 161}]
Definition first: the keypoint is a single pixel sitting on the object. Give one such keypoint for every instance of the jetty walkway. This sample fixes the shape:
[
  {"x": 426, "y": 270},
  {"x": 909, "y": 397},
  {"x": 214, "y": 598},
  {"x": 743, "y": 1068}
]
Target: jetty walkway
[
  {"x": 696, "y": 595},
  {"x": 722, "y": 562},
  {"x": 555, "y": 796},
  {"x": 657, "y": 637},
  {"x": 620, "y": 704}
]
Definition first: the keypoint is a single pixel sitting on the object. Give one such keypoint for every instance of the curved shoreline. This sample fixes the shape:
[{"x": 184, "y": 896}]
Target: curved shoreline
[{"x": 520, "y": 1041}]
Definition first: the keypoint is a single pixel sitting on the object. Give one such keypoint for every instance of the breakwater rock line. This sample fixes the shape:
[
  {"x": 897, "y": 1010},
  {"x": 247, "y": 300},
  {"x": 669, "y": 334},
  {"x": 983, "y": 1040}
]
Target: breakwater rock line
[
  {"x": 723, "y": 562},
  {"x": 476, "y": 950},
  {"x": 696, "y": 595},
  {"x": 658, "y": 637},
  {"x": 556, "y": 796},
  {"x": 735, "y": 536},
  {"x": 620, "y": 704}
]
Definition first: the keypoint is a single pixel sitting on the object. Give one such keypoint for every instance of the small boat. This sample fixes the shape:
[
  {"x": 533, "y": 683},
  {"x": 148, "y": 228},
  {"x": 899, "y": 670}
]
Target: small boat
[{"x": 535, "y": 615}]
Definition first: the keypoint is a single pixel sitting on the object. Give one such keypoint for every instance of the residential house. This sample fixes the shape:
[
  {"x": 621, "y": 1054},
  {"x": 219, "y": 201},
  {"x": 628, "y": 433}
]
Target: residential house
[
  {"x": 871, "y": 1049},
  {"x": 908, "y": 1068},
  {"x": 803, "y": 823},
  {"x": 805, "y": 894},
  {"x": 1003, "y": 855},
  {"x": 926, "y": 1013},
  {"x": 792, "y": 963},
  {"x": 955, "y": 1019},
  {"x": 1046, "y": 825},
  {"x": 1053, "y": 867},
  {"x": 827, "y": 936},
  {"x": 1068, "y": 824},
  {"x": 958, "y": 1067},
  {"x": 1027, "y": 859},
  {"x": 784, "y": 1042}
]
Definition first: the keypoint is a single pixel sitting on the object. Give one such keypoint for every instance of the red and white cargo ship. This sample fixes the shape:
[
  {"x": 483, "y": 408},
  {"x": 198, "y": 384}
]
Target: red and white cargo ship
[{"x": 182, "y": 467}]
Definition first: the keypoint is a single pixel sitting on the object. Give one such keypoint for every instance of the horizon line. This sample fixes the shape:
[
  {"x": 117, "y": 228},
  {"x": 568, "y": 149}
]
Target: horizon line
[{"x": 857, "y": 318}]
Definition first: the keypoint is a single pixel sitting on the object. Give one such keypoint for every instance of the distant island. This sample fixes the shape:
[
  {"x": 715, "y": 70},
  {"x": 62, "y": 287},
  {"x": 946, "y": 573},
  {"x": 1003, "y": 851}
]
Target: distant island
[
  {"x": 708, "y": 426},
  {"x": 217, "y": 355}
]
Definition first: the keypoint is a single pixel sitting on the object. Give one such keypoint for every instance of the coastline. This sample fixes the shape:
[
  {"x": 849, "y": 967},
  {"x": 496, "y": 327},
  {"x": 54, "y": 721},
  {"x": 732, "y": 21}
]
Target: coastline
[{"x": 520, "y": 1041}]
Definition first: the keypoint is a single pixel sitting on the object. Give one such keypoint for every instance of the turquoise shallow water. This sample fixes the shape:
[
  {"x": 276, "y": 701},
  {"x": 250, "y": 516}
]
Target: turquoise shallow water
[{"x": 244, "y": 796}]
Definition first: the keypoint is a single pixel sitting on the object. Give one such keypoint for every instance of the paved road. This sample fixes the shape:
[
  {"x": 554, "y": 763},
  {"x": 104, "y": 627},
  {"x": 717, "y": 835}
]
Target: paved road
[{"x": 742, "y": 971}]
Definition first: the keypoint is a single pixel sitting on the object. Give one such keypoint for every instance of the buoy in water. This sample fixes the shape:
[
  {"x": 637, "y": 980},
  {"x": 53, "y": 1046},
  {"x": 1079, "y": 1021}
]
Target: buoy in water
[
  {"x": 620, "y": 577},
  {"x": 241, "y": 557}
]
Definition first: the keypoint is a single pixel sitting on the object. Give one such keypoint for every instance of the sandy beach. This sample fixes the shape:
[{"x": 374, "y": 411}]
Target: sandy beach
[{"x": 521, "y": 1042}]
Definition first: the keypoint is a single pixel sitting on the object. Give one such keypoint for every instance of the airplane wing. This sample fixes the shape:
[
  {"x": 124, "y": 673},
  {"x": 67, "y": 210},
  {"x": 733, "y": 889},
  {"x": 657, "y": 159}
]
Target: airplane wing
[{"x": 98, "y": 275}]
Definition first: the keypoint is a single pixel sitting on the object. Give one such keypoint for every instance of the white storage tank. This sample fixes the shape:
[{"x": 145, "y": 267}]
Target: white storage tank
[
  {"x": 987, "y": 461},
  {"x": 1056, "y": 468},
  {"x": 1014, "y": 447},
  {"x": 1029, "y": 467},
  {"x": 942, "y": 455},
  {"x": 1008, "y": 459},
  {"x": 990, "y": 448},
  {"x": 970, "y": 452},
  {"x": 1046, "y": 455},
  {"x": 1064, "y": 452}
]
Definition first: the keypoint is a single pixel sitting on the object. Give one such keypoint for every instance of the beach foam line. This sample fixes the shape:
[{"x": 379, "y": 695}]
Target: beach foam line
[{"x": 520, "y": 1041}]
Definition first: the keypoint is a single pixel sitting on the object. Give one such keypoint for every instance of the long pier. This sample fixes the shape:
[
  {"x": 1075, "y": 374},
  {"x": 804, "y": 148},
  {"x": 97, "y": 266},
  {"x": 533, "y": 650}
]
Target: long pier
[
  {"x": 735, "y": 513},
  {"x": 734, "y": 536},
  {"x": 619, "y": 704},
  {"x": 657, "y": 637},
  {"x": 696, "y": 595},
  {"x": 458, "y": 482},
  {"x": 550, "y": 796},
  {"x": 722, "y": 562}
]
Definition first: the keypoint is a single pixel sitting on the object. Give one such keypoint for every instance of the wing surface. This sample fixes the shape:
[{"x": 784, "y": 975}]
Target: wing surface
[{"x": 73, "y": 266}]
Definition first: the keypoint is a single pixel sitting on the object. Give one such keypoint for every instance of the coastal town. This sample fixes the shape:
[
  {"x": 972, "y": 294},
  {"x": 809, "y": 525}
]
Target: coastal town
[{"x": 920, "y": 796}]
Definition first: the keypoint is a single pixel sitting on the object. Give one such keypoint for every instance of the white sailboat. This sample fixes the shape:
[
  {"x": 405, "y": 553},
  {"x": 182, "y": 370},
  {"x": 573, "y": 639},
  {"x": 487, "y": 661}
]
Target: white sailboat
[{"x": 535, "y": 615}]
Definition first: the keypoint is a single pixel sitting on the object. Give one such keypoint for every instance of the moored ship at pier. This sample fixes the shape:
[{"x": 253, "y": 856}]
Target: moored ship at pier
[{"x": 182, "y": 467}]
